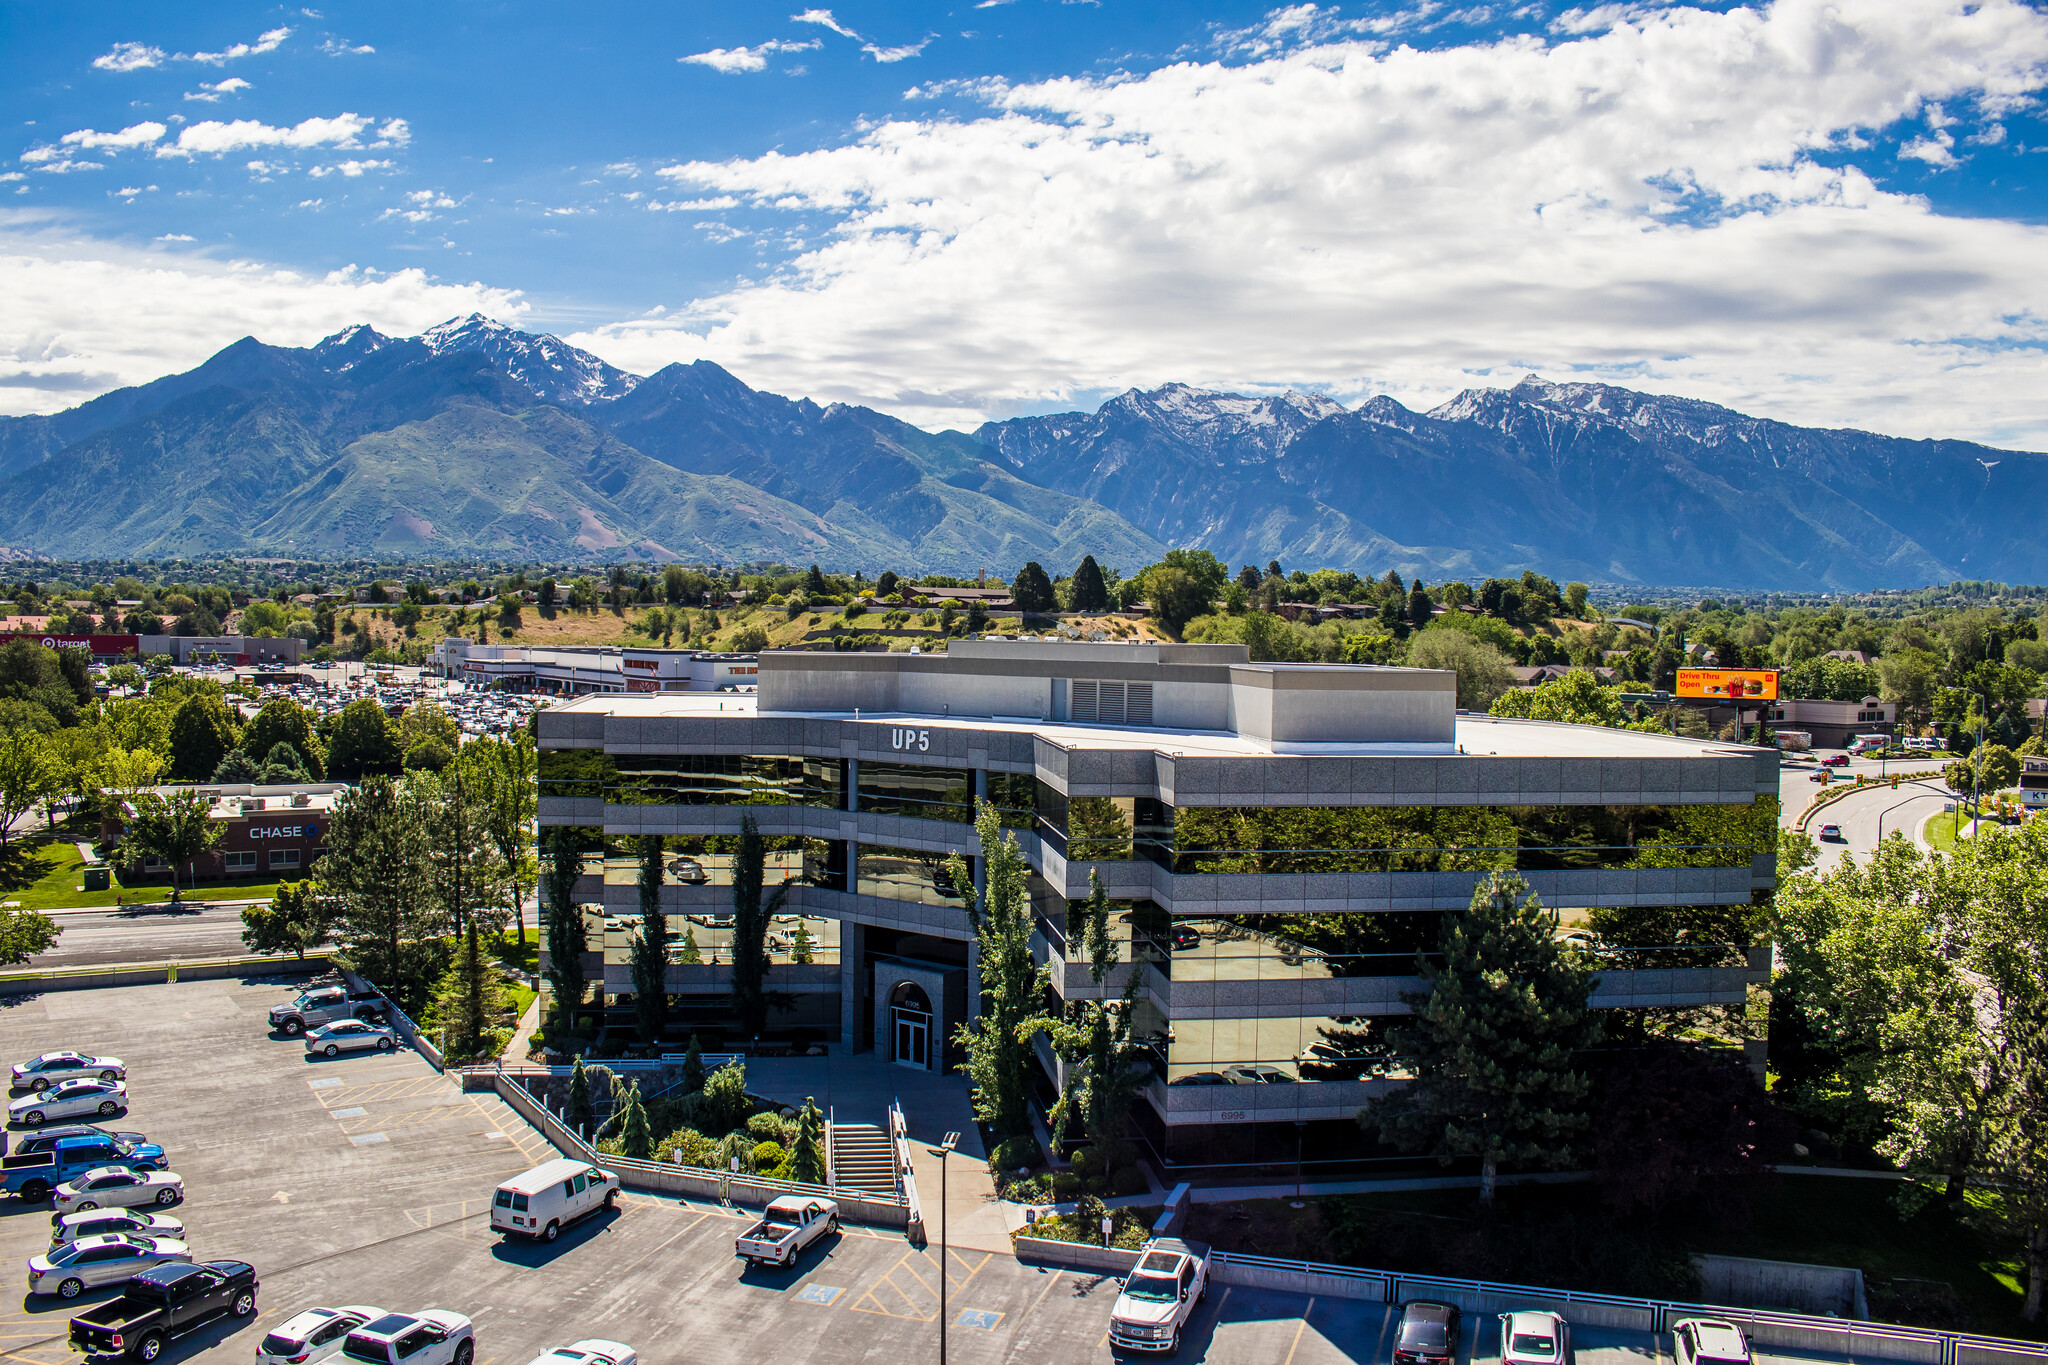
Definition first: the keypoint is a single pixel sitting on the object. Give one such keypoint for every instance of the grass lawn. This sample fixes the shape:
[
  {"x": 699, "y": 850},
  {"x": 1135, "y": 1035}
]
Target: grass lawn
[
  {"x": 1931, "y": 1270},
  {"x": 43, "y": 873}
]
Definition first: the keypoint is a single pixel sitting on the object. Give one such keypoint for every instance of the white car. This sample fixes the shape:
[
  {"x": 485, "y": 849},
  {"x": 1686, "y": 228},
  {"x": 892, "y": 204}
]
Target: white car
[
  {"x": 1708, "y": 1341},
  {"x": 313, "y": 1334},
  {"x": 593, "y": 1352},
  {"x": 66, "y": 1099},
  {"x": 108, "y": 1187},
  {"x": 429, "y": 1337},
  {"x": 1534, "y": 1339},
  {"x": 349, "y": 1035},
  {"x": 1159, "y": 1296},
  {"x": 94, "y": 1261},
  {"x": 70, "y": 1227},
  {"x": 43, "y": 1071}
]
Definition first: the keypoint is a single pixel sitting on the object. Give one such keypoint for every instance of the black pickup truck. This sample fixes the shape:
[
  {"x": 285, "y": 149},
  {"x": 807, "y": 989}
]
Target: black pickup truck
[{"x": 163, "y": 1302}]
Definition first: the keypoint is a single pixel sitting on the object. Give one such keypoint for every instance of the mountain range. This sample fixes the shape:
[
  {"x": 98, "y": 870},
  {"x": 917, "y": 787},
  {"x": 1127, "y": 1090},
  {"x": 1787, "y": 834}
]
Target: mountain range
[{"x": 477, "y": 438}]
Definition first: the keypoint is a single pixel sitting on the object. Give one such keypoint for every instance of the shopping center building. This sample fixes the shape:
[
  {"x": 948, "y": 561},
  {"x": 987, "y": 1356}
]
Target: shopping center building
[{"x": 1279, "y": 841}]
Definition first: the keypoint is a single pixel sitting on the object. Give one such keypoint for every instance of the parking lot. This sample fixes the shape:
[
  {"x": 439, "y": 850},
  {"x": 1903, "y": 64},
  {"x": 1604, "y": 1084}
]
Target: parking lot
[{"x": 366, "y": 1180}]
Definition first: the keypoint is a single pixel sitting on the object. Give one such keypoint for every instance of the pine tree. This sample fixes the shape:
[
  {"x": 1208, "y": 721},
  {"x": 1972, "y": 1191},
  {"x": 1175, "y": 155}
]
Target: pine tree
[
  {"x": 566, "y": 935},
  {"x": 377, "y": 869},
  {"x": 579, "y": 1113},
  {"x": 807, "y": 1160},
  {"x": 635, "y": 1138},
  {"x": 1492, "y": 1041},
  {"x": 650, "y": 948},
  {"x": 690, "y": 955},
  {"x": 469, "y": 876},
  {"x": 800, "y": 945},
  {"x": 1033, "y": 589},
  {"x": 693, "y": 1067},
  {"x": 750, "y": 928},
  {"x": 1419, "y": 605},
  {"x": 468, "y": 998},
  {"x": 1013, "y": 985}
]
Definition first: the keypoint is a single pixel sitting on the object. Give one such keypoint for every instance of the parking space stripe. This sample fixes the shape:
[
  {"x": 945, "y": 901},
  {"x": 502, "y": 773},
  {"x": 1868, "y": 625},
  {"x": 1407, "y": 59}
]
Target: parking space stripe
[{"x": 1299, "y": 1328}]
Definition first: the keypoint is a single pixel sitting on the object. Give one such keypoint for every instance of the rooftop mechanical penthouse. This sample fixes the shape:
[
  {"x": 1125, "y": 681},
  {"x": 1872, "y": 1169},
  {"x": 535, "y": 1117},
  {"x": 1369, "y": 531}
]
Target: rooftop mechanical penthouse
[{"x": 1280, "y": 841}]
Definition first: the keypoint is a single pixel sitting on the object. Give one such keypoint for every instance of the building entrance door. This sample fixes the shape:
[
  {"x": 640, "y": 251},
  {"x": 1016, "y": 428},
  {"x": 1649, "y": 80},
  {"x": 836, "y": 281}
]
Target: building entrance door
[{"x": 910, "y": 1026}]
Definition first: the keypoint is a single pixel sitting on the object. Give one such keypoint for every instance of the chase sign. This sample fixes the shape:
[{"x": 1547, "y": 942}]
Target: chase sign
[{"x": 307, "y": 831}]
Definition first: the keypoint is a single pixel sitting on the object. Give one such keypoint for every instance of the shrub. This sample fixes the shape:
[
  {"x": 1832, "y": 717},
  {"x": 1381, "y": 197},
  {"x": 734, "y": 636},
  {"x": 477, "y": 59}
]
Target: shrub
[
  {"x": 770, "y": 1128},
  {"x": 1013, "y": 1152},
  {"x": 1129, "y": 1180},
  {"x": 696, "y": 1149},
  {"x": 1087, "y": 1163},
  {"x": 857, "y": 609},
  {"x": 722, "y": 1105},
  {"x": 1065, "y": 1185},
  {"x": 767, "y": 1156}
]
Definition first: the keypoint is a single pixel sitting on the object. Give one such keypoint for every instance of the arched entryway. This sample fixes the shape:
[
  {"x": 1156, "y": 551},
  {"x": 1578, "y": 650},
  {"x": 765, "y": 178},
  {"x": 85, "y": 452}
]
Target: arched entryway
[{"x": 910, "y": 1026}]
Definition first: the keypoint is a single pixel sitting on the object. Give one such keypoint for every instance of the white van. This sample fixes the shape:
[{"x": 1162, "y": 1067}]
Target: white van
[{"x": 551, "y": 1196}]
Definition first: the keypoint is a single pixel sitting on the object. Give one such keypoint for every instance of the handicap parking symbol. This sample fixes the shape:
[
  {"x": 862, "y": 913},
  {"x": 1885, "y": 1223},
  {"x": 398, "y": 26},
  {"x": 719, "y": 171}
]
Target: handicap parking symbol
[
  {"x": 819, "y": 1293},
  {"x": 982, "y": 1319}
]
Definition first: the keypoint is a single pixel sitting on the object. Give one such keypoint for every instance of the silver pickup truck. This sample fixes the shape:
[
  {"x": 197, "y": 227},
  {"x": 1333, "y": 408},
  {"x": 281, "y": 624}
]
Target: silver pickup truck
[
  {"x": 787, "y": 1226},
  {"x": 323, "y": 1005}
]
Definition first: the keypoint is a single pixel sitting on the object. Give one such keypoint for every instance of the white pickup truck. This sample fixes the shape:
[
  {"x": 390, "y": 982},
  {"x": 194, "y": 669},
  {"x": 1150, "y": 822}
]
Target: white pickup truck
[
  {"x": 1159, "y": 1296},
  {"x": 787, "y": 1226}
]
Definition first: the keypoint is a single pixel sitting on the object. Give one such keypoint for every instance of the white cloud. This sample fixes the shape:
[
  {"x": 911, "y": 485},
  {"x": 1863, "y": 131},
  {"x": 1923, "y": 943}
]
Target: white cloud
[
  {"x": 734, "y": 60},
  {"x": 823, "y": 18},
  {"x": 339, "y": 47},
  {"x": 129, "y": 191},
  {"x": 395, "y": 133},
  {"x": 1647, "y": 204},
  {"x": 129, "y": 57},
  {"x": 87, "y": 140},
  {"x": 177, "y": 237},
  {"x": 723, "y": 201},
  {"x": 270, "y": 41},
  {"x": 216, "y": 138},
  {"x": 268, "y": 168},
  {"x": 212, "y": 93},
  {"x": 1936, "y": 150},
  {"x": 350, "y": 169},
  {"x": 896, "y": 54},
  {"x": 6, "y": 176},
  {"x": 85, "y": 316}
]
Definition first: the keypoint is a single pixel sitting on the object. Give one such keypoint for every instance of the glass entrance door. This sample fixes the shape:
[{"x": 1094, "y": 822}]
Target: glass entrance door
[{"x": 913, "y": 1039}]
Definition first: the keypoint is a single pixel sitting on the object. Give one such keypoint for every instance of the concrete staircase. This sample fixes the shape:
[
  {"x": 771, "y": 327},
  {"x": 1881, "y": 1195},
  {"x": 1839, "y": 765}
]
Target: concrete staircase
[{"x": 861, "y": 1159}]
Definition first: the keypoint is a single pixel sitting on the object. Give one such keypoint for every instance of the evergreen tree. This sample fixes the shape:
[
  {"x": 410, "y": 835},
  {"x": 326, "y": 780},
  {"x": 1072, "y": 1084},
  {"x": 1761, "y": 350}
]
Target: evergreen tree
[
  {"x": 579, "y": 1113},
  {"x": 750, "y": 918},
  {"x": 886, "y": 584},
  {"x": 376, "y": 868},
  {"x": 1103, "y": 1072},
  {"x": 800, "y": 944},
  {"x": 1248, "y": 578},
  {"x": 469, "y": 998},
  {"x": 807, "y": 1159},
  {"x": 650, "y": 948},
  {"x": 296, "y": 919},
  {"x": 236, "y": 766},
  {"x": 693, "y": 1067},
  {"x": 690, "y": 955},
  {"x": 469, "y": 877},
  {"x": 815, "y": 585},
  {"x": 1419, "y": 605},
  {"x": 635, "y": 1138},
  {"x": 566, "y": 936},
  {"x": 1013, "y": 985},
  {"x": 1033, "y": 589},
  {"x": 283, "y": 721},
  {"x": 1492, "y": 1041},
  {"x": 202, "y": 732}
]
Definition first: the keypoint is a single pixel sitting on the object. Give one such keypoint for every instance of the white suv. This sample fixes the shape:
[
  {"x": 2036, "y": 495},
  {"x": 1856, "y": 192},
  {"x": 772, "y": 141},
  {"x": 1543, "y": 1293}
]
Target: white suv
[
  {"x": 1708, "y": 1341},
  {"x": 431, "y": 1337}
]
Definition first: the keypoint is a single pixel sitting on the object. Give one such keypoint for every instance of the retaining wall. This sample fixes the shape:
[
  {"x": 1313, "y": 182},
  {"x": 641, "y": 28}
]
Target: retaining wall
[
  {"x": 157, "y": 973},
  {"x": 1827, "y": 1290},
  {"x": 1045, "y": 1251}
]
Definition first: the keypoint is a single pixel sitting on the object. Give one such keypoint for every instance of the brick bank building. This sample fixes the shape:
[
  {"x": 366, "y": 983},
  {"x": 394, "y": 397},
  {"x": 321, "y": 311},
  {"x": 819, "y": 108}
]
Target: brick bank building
[
  {"x": 1279, "y": 839},
  {"x": 268, "y": 833}
]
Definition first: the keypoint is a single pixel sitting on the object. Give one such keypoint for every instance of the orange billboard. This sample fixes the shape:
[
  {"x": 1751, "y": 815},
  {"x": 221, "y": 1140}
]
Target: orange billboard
[{"x": 1724, "y": 684}]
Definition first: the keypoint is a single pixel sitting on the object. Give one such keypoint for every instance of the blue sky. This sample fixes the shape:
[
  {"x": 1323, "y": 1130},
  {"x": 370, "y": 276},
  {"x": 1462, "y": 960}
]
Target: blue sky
[{"x": 1829, "y": 213}]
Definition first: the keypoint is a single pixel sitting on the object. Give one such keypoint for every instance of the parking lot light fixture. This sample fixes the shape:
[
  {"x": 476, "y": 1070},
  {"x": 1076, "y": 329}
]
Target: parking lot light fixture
[{"x": 942, "y": 1151}]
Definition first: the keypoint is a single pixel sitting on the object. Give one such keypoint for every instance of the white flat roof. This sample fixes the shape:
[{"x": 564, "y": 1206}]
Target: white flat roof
[{"x": 1477, "y": 735}]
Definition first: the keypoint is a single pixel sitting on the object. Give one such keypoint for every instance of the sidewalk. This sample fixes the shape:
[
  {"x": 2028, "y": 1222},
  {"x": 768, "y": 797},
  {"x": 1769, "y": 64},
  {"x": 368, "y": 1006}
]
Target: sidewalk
[{"x": 522, "y": 1037}]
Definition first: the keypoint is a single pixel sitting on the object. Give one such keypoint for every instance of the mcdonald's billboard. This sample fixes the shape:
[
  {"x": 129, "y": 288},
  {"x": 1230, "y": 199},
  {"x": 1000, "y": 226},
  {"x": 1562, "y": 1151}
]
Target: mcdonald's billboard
[{"x": 1721, "y": 684}]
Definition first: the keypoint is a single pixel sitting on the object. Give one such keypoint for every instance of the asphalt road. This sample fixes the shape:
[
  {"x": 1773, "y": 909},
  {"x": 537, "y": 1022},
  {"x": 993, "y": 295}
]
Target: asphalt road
[
  {"x": 103, "y": 935},
  {"x": 1867, "y": 815}
]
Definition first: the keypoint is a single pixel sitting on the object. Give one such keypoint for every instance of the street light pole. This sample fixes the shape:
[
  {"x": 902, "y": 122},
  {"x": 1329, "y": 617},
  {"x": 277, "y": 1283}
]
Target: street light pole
[{"x": 942, "y": 1151}]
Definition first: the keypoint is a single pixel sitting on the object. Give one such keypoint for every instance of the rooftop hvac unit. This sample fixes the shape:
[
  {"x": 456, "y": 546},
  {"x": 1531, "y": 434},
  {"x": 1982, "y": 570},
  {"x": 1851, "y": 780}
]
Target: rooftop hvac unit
[{"x": 301, "y": 799}]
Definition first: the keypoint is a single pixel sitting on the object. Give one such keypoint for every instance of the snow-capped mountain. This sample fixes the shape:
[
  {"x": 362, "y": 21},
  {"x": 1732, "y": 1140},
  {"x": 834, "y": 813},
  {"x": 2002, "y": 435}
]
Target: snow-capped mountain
[{"x": 553, "y": 369}]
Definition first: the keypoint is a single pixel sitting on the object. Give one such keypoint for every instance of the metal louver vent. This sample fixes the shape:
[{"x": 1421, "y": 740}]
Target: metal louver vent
[
  {"x": 1082, "y": 702},
  {"x": 1111, "y": 711},
  {"x": 1138, "y": 704}
]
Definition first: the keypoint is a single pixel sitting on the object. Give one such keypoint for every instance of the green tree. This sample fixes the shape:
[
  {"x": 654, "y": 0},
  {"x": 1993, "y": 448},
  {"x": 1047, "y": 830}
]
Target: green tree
[
  {"x": 750, "y": 916},
  {"x": 566, "y": 936},
  {"x": 378, "y": 868},
  {"x": 423, "y": 721},
  {"x": 1176, "y": 597},
  {"x": 693, "y": 1067},
  {"x": 1576, "y": 699},
  {"x": 1419, "y": 606},
  {"x": 296, "y": 919},
  {"x": 283, "y": 721},
  {"x": 1033, "y": 589},
  {"x": 177, "y": 829},
  {"x": 635, "y": 1138},
  {"x": 428, "y": 756},
  {"x": 202, "y": 732},
  {"x": 26, "y": 774},
  {"x": 579, "y": 1113},
  {"x": 1104, "y": 1072},
  {"x": 1483, "y": 671},
  {"x": 650, "y": 947},
  {"x": 467, "y": 875},
  {"x": 236, "y": 766},
  {"x": 25, "y": 934},
  {"x": 503, "y": 772},
  {"x": 468, "y": 999},
  {"x": 1492, "y": 1041},
  {"x": 364, "y": 743},
  {"x": 1013, "y": 985},
  {"x": 807, "y": 1155},
  {"x": 1088, "y": 592},
  {"x": 1575, "y": 600},
  {"x": 2017, "y": 1159}
]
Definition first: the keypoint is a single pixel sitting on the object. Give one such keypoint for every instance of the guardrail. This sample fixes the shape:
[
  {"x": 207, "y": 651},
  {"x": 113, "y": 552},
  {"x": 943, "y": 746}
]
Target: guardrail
[
  {"x": 660, "y": 1177},
  {"x": 906, "y": 1178},
  {"x": 398, "y": 1019},
  {"x": 1799, "y": 1333},
  {"x": 155, "y": 973}
]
